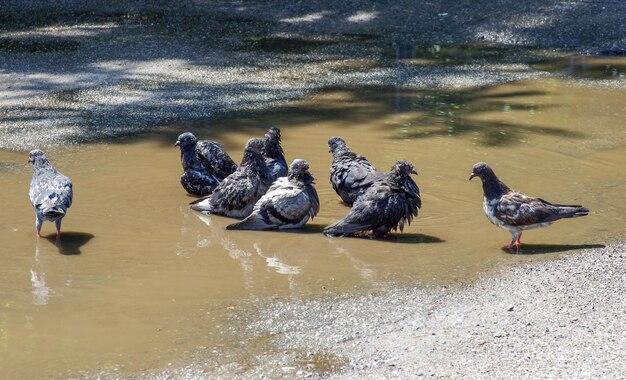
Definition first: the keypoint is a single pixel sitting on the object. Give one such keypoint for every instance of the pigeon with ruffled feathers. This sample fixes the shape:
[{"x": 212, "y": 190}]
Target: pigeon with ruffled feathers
[
  {"x": 50, "y": 192},
  {"x": 387, "y": 204},
  {"x": 205, "y": 164},
  {"x": 273, "y": 153},
  {"x": 289, "y": 203},
  {"x": 236, "y": 195},
  {"x": 350, "y": 173},
  {"x": 516, "y": 212}
]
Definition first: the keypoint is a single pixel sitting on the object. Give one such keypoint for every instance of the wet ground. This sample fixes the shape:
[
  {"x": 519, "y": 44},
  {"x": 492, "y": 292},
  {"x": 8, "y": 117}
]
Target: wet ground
[{"x": 139, "y": 282}]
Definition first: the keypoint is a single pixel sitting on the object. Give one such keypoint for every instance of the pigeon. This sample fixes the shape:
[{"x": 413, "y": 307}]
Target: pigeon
[
  {"x": 387, "y": 204},
  {"x": 289, "y": 202},
  {"x": 205, "y": 164},
  {"x": 516, "y": 212},
  {"x": 236, "y": 195},
  {"x": 350, "y": 173},
  {"x": 273, "y": 153},
  {"x": 50, "y": 192}
]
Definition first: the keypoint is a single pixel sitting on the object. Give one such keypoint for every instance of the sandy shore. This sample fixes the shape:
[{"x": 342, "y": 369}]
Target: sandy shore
[{"x": 563, "y": 318}]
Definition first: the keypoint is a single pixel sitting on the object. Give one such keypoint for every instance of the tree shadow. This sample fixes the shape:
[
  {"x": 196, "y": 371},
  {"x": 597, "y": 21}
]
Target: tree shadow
[
  {"x": 70, "y": 243},
  {"x": 538, "y": 249}
]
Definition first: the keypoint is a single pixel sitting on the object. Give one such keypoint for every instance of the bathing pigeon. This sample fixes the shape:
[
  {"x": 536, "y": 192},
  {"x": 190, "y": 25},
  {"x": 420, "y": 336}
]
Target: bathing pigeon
[
  {"x": 516, "y": 212},
  {"x": 236, "y": 195},
  {"x": 350, "y": 173},
  {"x": 387, "y": 204},
  {"x": 50, "y": 191},
  {"x": 205, "y": 164},
  {"x": 289, "y": 202},
  {"x": 273, "y": 153}
]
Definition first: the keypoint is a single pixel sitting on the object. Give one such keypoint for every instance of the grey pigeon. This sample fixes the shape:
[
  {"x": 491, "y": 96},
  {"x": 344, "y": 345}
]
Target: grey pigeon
[
  {"x": 50, "y": 192},
  {"x": 516, "y": 212},
  {"x": 236, "y": 195},
  {"x": 205, "y": 164},
  {"x": 289, "y": 202},
  {"x": 387, "y": 204},
  {"x": 350, "y": 173},
  {"x": 273, "y": 153}
]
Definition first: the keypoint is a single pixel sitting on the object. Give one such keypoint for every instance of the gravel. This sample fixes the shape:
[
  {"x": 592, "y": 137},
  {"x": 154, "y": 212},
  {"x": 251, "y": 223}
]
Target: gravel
[{"x": 76, "y": 72}]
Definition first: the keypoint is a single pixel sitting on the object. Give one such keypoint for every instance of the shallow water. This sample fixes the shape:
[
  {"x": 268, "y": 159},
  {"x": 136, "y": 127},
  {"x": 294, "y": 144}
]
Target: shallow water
[{"x": 141, "y": 282}]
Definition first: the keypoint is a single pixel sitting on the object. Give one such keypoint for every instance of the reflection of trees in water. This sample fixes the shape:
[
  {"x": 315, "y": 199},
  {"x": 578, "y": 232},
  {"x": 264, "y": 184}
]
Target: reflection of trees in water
[{"x": 451, "y": 113}]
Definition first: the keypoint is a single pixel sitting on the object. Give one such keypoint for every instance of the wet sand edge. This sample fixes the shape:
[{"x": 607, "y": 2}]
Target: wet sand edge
[{"x": 549, "y": 318}]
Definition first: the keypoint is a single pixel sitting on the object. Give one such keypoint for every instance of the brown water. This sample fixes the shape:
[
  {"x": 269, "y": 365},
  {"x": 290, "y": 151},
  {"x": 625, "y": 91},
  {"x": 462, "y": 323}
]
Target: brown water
[{"x": 139, "y": 281}]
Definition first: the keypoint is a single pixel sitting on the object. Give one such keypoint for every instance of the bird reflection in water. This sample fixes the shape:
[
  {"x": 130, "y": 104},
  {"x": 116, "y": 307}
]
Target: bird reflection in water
[
  {"x": 247, "y": 252},
  {"x": 41, "y": 292}
]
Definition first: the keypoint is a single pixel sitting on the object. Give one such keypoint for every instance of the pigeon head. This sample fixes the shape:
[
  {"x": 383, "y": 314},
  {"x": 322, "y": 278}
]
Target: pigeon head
[
  {"x": 254, "y": 145},
  {"x": 337, "y": 145},
  {"x": 299, "y": 165},
  {"x": 273, "y": 134},
  {"x": 299, "y": 169},
  {"x": 272, "y": 146},
  {"x": 37, "y": 157},
  {"x": 403, "y": 168},
  {"x": 186, "y": 140},
  {"x": 481, "y": 170}
]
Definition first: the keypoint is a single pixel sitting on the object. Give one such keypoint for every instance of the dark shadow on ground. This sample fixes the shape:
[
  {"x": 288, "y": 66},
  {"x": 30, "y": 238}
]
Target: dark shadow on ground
[
  {"x": 535, "y": 249},
  {"x": 70, "y": 243},
  {"x": 400, "y": 238}
]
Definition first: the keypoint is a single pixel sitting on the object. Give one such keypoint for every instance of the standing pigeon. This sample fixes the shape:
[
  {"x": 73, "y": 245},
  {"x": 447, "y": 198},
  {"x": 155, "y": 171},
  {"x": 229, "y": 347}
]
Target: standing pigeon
[
  {"x": 273, "y": 153},
  {"x": 350, "y": 173},
  {"x": 50, "y": 192},
  {"x": 289, "y": 202},
  {"x": 516, "y": 212},
  {"x": 237, "y": 194},
  {"x": 205, "y": 164},
  {"x": 385, "y": 205}
]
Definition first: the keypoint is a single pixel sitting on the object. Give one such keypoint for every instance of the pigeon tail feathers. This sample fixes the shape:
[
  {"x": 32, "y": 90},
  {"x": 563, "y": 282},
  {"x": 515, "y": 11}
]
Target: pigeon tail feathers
[
  {"x": 573, "y": 211},
  {"x": 345, "y": 229},
  {"x": 250, "y": 223}
]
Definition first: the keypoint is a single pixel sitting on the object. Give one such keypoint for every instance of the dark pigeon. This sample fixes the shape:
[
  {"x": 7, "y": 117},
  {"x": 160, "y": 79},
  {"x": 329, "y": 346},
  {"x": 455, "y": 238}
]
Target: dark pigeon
[
  {"x": 350, "y": 173},
  {"x": 516, "y": 212},
  {"x": 205, "y": 164},
  {"x": 236, "y": 195},
  {"x": 387, "y": 204},
  {"x": 289, "y": 203},
  {"x": 273, "y": 153},
  {"x": 50, "y": 192}
]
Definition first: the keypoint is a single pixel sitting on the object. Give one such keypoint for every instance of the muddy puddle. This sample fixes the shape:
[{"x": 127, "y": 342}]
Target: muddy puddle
[{"x": 140, "y": 282}]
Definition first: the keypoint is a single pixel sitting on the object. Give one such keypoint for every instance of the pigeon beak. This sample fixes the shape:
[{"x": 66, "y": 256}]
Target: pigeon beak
[
  {"x": 177, "y": 143},
  {"x": 472, "y": 176},
  {"x": 414, "y": 172}
]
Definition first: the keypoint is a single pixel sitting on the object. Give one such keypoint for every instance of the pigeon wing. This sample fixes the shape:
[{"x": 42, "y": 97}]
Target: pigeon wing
[
  {"x": 517, "y": 209},
  {"x": 215, "y": 159}
]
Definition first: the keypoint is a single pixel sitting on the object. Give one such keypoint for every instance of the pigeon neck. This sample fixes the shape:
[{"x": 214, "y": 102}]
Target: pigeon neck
[
  {"x": 396, "y": 180},
  {"x": 187, "y": 155},
  {"x": 256, "y": 162},
  {"x": 342, "y": 152},
  {"x": 273, "y": 149},
  {"x": 493, "y": 188},
  {"x": 42, "y": 166},
  {"x": 304, "y": 178}
]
